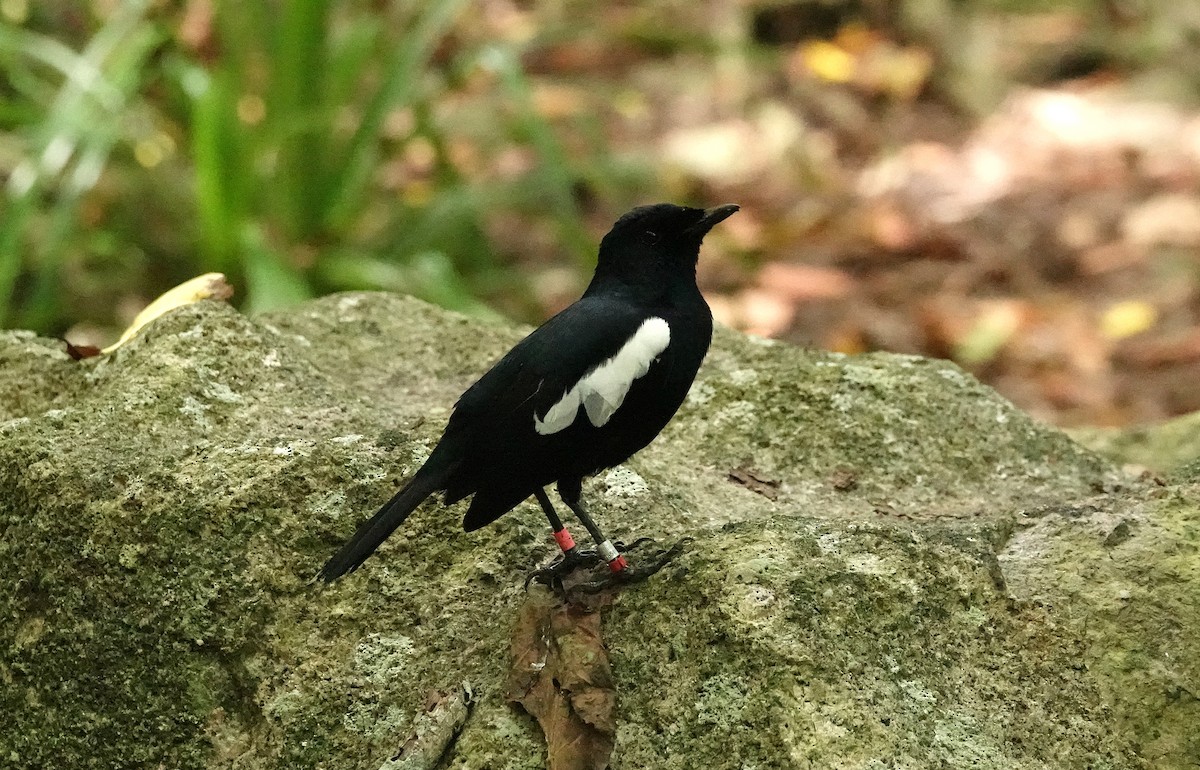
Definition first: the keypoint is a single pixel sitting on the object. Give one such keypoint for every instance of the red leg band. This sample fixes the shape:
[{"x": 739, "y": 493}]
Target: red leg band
[
  {"x": 564, "y": 539},
  {"x": 617, "y": 564}
]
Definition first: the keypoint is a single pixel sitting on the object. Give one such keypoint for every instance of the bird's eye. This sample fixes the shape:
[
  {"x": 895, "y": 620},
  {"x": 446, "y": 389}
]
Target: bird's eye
[{"x": 651, "y": 237}]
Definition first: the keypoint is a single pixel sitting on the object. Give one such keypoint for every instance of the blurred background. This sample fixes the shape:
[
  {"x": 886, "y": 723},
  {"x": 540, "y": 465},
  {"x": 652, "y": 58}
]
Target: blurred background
[{"x": 1012, "y": 184}]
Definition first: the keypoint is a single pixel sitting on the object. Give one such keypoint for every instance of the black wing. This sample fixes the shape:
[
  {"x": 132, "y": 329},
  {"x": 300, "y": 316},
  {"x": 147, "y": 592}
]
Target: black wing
[
  {"x": 540, "y": 368},
  {"x": 499, "y": 455}
]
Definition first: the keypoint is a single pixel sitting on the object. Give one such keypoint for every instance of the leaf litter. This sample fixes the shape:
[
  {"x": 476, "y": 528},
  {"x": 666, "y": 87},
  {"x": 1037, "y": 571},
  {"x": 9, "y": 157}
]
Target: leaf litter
[{"x": 561, "y": 675}]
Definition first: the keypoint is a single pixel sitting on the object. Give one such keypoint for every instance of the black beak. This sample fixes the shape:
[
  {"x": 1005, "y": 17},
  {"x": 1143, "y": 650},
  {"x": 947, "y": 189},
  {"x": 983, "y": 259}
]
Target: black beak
[{"x": 711, "y": 218}]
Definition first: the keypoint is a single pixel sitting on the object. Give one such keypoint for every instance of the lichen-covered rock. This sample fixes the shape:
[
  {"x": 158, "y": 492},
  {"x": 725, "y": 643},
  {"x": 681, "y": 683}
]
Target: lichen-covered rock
[
  {"x": 1164, "y": 447},
  {"x": 892, "y": 566}
]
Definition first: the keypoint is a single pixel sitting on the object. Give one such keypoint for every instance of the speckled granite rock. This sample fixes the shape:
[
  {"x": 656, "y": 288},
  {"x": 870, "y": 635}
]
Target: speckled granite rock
[{"x": 893, "y": 567}]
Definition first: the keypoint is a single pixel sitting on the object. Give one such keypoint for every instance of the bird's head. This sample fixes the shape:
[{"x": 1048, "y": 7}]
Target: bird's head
[{"x": 648, "y": 239}]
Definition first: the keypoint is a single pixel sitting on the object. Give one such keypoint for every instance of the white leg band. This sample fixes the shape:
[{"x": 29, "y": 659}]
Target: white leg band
[{"x": 607, "y": 551}]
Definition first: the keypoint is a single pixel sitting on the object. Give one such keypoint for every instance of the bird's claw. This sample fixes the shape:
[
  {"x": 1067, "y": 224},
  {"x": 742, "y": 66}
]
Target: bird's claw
[
  {"x": 639, "y": 570},
  {"x": 620, "y": 546},
  {"x": 634, "y": 572},
  {"x": 552, "y": 574},
  {"x": 564, "y": 564}
]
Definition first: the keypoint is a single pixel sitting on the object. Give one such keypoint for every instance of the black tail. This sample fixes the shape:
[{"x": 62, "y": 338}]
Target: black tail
[{"x": 372, "y": 532}]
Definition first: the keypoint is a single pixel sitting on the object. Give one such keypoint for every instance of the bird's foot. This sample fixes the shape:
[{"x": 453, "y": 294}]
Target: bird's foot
[
  {"x": 567, "y": 562},
  {"x": 635, "y": 544},
  {"x": 634, "y": 572}
]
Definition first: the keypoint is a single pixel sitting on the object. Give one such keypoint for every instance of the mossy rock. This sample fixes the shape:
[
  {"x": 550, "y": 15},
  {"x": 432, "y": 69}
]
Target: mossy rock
[{"x": 892, "y": 566}]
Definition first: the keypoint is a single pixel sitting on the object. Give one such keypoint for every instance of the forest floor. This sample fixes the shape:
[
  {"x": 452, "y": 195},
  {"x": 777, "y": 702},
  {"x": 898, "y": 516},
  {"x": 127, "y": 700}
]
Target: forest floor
[{"x": 1046, "y": 238}]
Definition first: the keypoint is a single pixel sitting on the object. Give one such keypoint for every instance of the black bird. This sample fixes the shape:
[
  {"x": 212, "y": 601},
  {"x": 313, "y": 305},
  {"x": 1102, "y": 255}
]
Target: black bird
[{"x": 582, "y": 393}]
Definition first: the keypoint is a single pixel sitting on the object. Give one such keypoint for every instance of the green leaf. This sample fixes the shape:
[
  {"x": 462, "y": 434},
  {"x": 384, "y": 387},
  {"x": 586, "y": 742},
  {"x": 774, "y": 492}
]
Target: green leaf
[{"x": 270, "y": 281}]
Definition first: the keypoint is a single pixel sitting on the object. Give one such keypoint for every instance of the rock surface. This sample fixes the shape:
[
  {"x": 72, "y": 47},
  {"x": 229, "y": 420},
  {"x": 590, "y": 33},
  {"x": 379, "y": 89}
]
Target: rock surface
[
  {"x": 892, "y": 566},
  {"x": 1166, "y": 447}
]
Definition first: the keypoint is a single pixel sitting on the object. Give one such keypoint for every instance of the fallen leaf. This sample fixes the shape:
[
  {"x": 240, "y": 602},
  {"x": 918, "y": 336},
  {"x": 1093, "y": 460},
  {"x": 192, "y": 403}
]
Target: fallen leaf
[
  {"x": 898, "y": 72},
  {"x": 827, "y": 61},
  {"x": 1107, "y": 257},
  {"x": 1182, "y": 347},
  {"x": 80, "y": 352},
  {"x": 560, "y": 674},
  {"x": 890, "y": 226},
  {"x": 735, "y": 151},
  {"x": 1127, "y": 318},
  {"x": 558, "y": 102},
  {"x": 763, "y": 313},
  {"x": 997, "y": 322},
  {"x": 1080, "y": 230},
  {"x": 844, "y": 479},
  {"x": 196, "y": 29},
  {"x": 805, "y": 282},
  {"x": 755, "y": 481},
  {"x": 1170, "y": 219},
  {"x": 207, "y": 286},
  {"x": 857, "y": 38}
]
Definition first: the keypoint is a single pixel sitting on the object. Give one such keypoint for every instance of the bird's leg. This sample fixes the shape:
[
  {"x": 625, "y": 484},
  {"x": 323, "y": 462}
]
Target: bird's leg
[
  {"x": 608, "y": 552},
  {"x": 557, "y": 528},
  {"x": 572, "y": 556},
  {"x": 621, "y": 571}
]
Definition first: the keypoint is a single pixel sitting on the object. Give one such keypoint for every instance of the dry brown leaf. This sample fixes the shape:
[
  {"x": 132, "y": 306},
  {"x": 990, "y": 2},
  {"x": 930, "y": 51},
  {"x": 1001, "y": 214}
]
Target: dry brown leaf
[
  {"x": 740, "y": 151},
  {"x": 555, "y": 101},
  {"x": 755, "y": 481},
  {"x": 561, "y": 675},
  {"x": 80, "y": 352},
  {"x": 196, "y": 29},
  {"x": 844, "y": 479},
  {"x": 1108, "y": 257},
  {"x": 1178, "y": 348},
  {"x": 890, "y": 226},
  {"x": 1170, "y": 219},
  {"x": 805, "y": 282}
]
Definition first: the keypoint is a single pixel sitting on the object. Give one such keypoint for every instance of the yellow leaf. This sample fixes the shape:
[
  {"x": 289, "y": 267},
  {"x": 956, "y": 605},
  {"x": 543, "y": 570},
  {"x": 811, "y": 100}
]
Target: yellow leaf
[
  {"x": 827, "y": 61},
  {"x": 903, "y": 72},
  {"x": 1127, "y": 318},
  {"x": 201, "y": 287},
  {"x": 992, "y": 328}
]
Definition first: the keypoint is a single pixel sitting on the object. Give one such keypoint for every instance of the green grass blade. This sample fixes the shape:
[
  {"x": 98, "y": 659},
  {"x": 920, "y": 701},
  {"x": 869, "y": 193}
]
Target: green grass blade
[
  {"x": 75, "y": 136},
  {"x": 51, "y": 53},
  {"x": 218, "y": 158},
  {"x": 352, "y": 50},
  {"x": 403, "y": 72},
  {"x": 270, "y": 281},
  {"x": 429, "y": 275},
  {"x": 12, "y": 225},
  {"x": 298, "y": 115}
]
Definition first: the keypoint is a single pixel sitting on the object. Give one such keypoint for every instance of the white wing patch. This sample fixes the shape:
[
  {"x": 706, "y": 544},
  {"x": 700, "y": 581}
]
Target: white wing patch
[{"x": 601, "y": 391}]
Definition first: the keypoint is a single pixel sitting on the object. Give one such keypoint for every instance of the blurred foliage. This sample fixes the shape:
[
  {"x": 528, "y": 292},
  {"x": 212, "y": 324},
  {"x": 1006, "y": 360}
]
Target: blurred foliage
[
  {"x": 426, "y": 146},
  {"x": 296, "y": 146}
]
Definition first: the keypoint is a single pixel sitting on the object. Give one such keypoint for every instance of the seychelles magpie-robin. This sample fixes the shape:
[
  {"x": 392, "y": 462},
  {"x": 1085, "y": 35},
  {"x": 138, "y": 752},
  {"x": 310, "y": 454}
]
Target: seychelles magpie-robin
[{"x": 582, "y": 393}]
